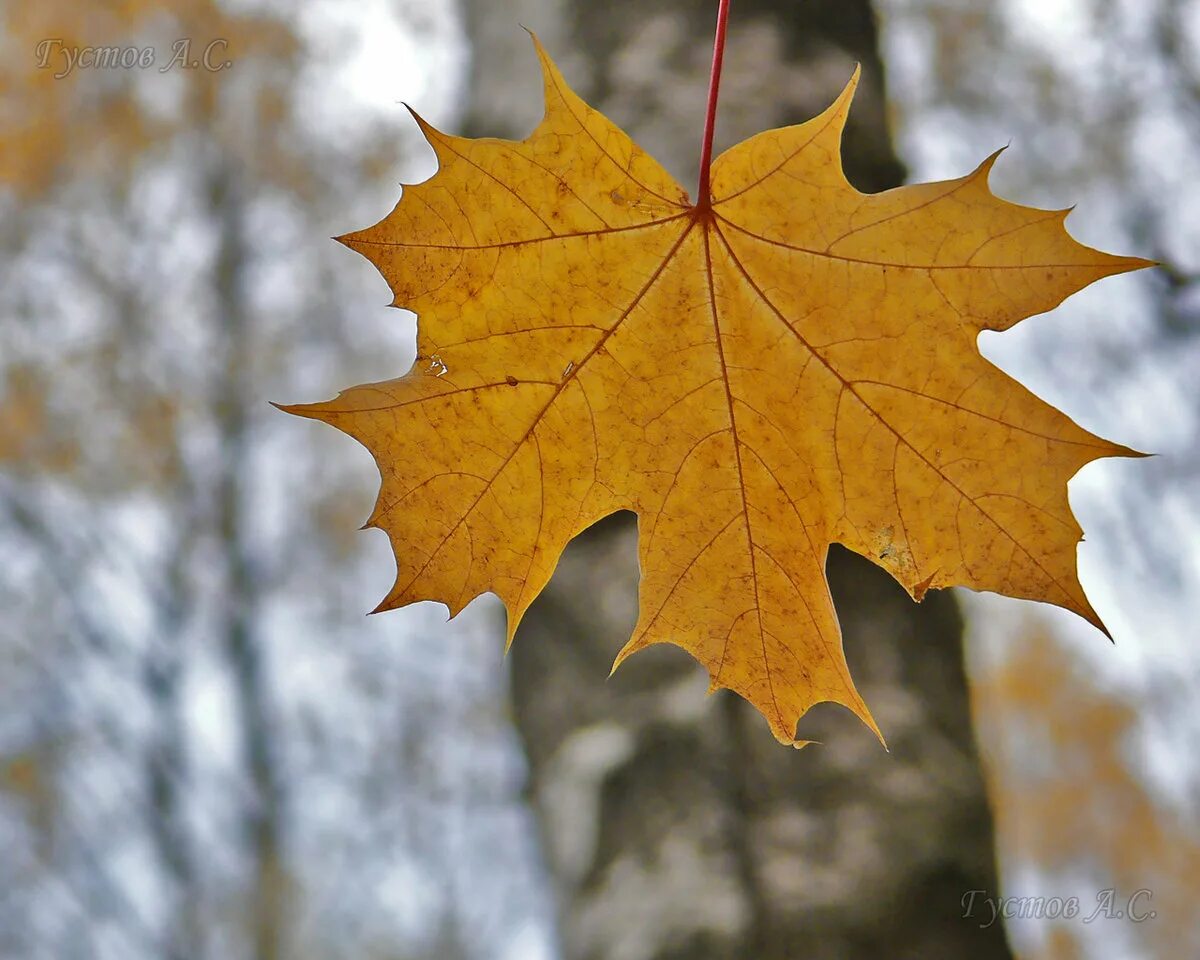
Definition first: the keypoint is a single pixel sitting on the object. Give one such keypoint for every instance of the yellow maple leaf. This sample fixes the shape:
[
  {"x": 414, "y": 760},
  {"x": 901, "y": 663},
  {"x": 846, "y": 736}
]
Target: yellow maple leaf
[{"x": 786, "y": 364}]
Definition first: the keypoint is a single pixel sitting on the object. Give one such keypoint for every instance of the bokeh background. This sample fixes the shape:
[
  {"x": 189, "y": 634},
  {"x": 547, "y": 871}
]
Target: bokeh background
[{"x": 206, "y": 749}]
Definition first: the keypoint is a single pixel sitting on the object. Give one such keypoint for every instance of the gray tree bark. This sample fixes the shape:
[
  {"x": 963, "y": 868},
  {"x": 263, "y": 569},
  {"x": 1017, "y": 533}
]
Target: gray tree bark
[{"x": 673, "y": 824}]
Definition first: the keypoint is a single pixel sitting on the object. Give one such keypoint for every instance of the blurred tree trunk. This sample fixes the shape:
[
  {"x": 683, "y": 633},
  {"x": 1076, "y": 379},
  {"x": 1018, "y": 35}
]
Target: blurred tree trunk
[
  {"x": 243, "y": 646},
  {"x": 674, "y": 826}
]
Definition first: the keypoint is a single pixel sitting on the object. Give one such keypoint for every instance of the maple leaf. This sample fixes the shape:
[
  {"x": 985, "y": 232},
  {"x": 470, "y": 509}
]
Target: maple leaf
[{"x": 787, "y": 364}]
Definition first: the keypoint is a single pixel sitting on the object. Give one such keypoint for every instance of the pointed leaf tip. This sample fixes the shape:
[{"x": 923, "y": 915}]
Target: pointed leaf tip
[{"x": 984, "y": 170}]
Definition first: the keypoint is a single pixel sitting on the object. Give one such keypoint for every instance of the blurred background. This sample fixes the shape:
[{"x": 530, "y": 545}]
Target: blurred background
[{"x": 208, "y": 751}]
